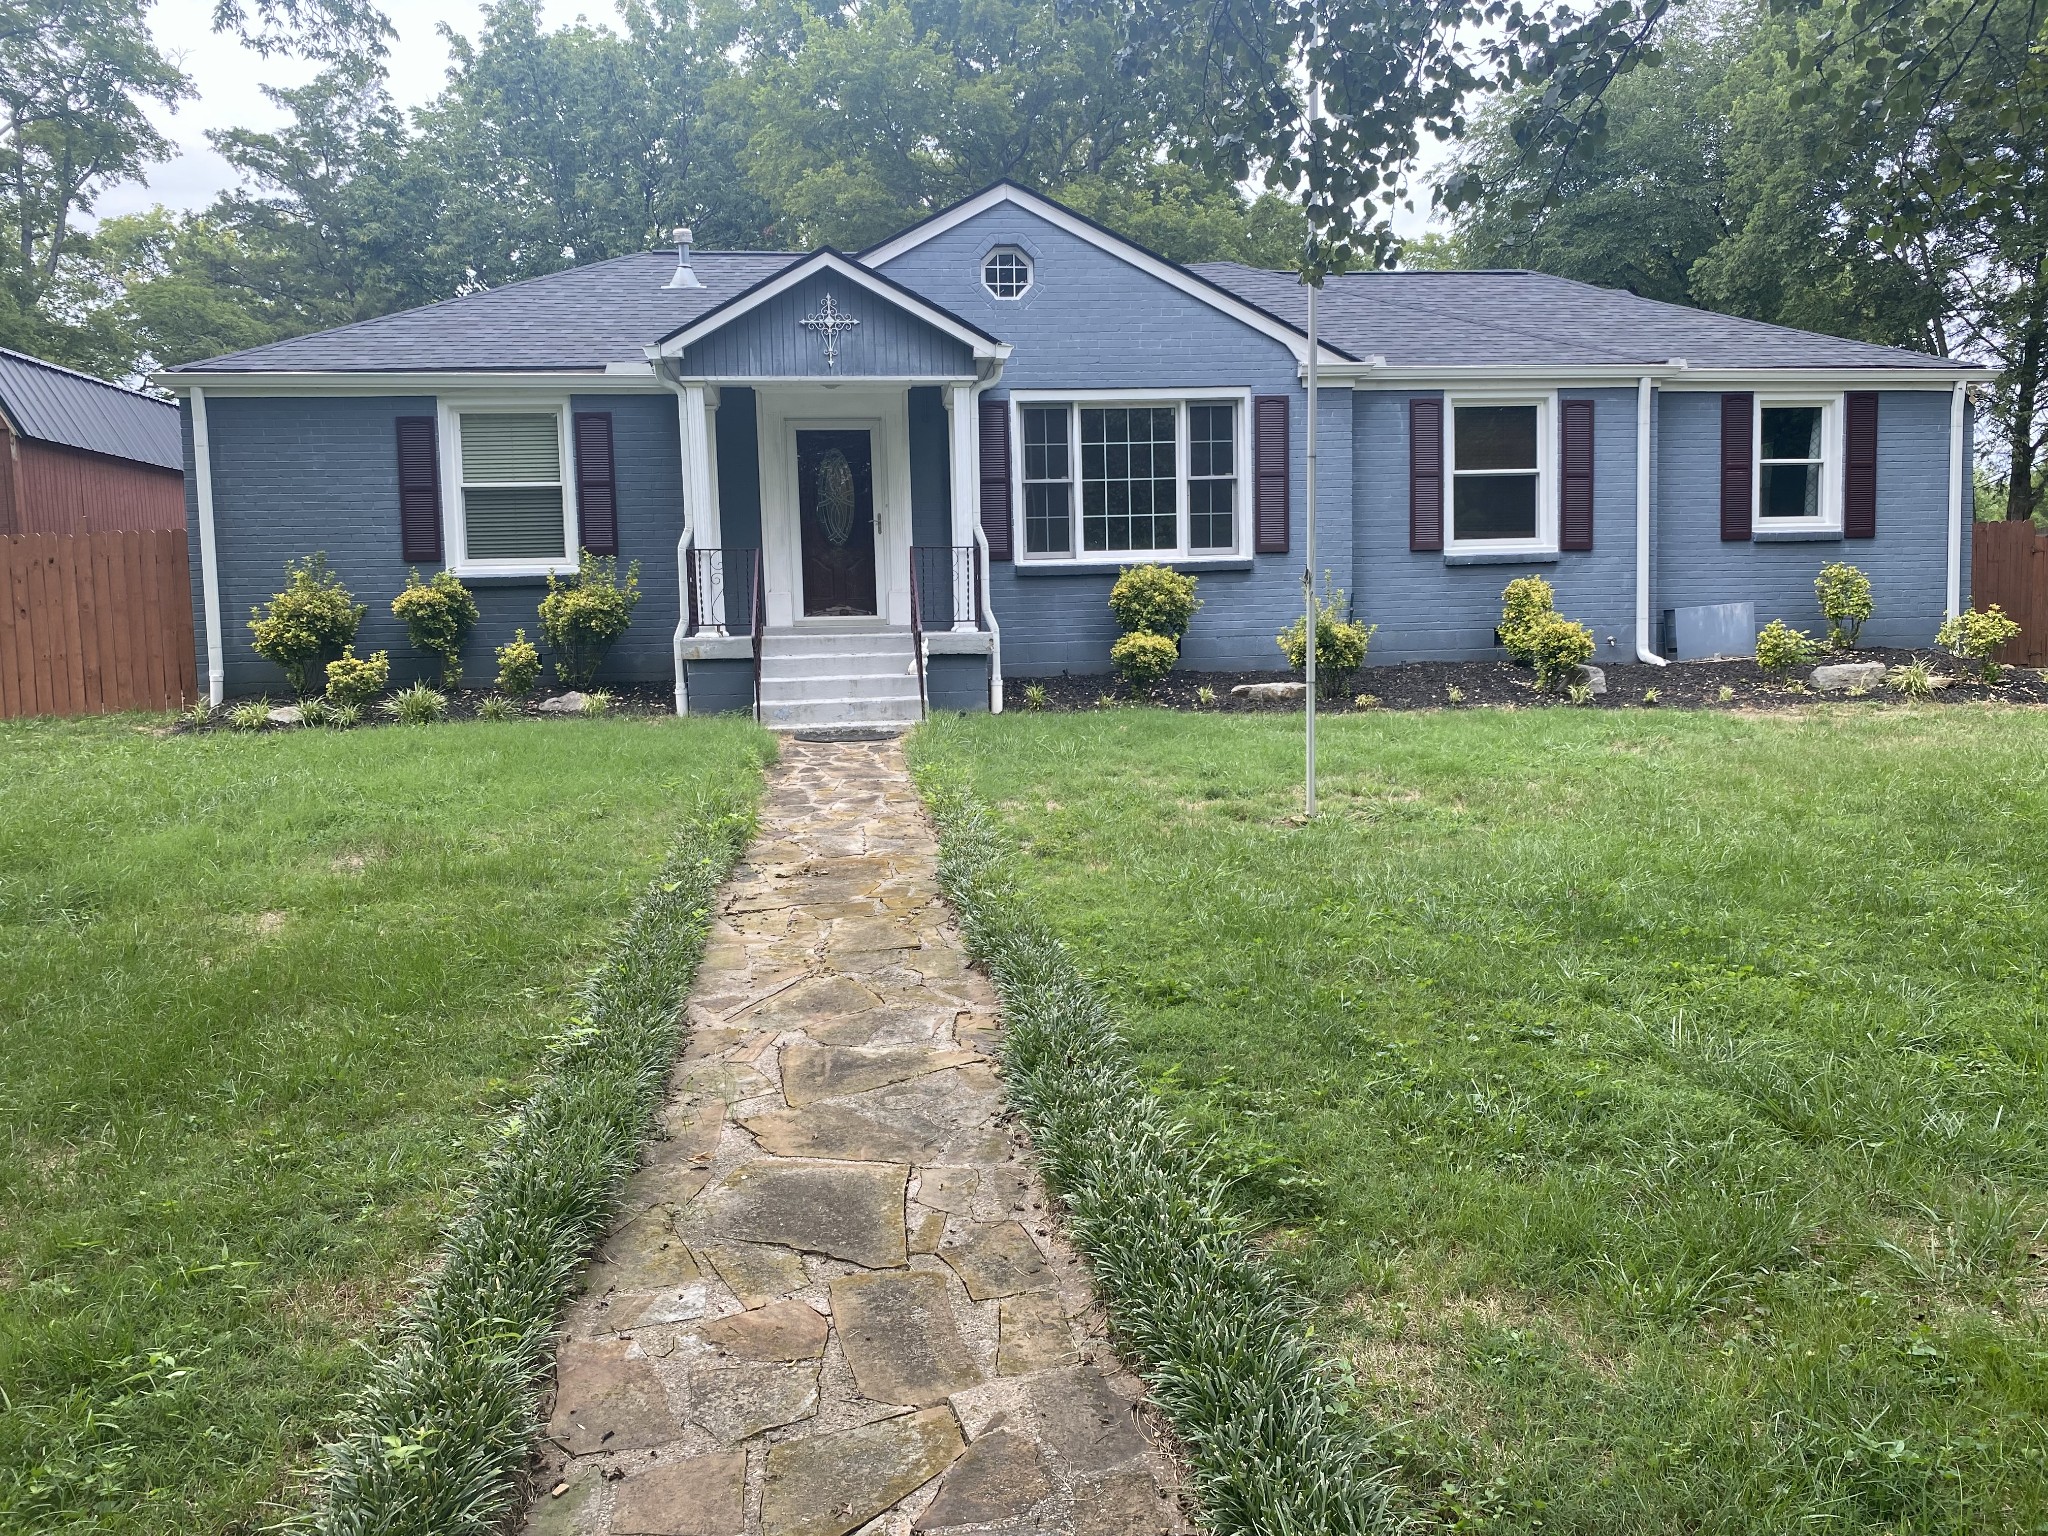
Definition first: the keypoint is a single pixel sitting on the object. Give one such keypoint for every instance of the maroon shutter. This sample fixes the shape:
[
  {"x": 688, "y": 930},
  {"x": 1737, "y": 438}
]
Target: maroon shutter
[
  {"x": 1859, "y": 483},
  {"x": 1575, "y": 503},
  {"x": 995, "y": 477},
  {"x": 419, "y": 490},
  {"x": 1738, "y": 466},
  {"x": 1270, "y": 474},
  {"x": 1425, "y": 474},
  {"x": 597, "y": 498}
]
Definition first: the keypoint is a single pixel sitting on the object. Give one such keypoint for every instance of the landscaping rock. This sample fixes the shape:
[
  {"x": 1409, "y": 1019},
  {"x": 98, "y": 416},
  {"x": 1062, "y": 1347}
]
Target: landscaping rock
[
  {"x": 900, "y": 1338},
  {"x": 1281, "y": 693},
  {"x": 1842, "y": 676},
  {"x": 570, "y": 703},
  {"x": 1594, "y": 679},
  {"x": 287, "y": 714}
]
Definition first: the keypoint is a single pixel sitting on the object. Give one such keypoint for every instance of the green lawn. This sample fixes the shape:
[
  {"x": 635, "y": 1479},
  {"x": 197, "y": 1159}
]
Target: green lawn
[
  {"x": 264, "y": 1003},
  {"x": 1655, "y": 1104}
]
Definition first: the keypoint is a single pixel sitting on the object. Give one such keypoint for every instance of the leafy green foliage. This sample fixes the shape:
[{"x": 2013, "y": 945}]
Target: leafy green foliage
[
  {"x": 1525, "y": 602},
  {"x": 249, "y": 715},
  {"x": 1216, "y": 1331},
  {"x": 495, "y": 706},
  {"x": 1913, "y": 680},
  {"x": 1974, "y": 636},
  {"x": 1558, "y": 647},
  {"x": 1142, "y": 659},
  {"x": 582, "y": 618},
  {"x": 518, "y": 666},
  {"x": 1341, "y": 642},
  {"x": 1845, "y": 602},
  {"x": 1781, "y": 650},
  {"x": 358, "y": 680},
  {"x": 1154, "y": 600},
  {"x": 417, "y": 705},
  {"x": 438, "y": 616},
  {"x": 596, "y": 704},
  {"x": 308, "y": 624}
]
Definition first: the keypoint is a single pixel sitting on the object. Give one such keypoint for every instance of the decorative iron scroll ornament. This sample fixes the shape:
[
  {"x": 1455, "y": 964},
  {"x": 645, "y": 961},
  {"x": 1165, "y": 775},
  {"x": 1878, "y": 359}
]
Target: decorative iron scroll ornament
[
  {"x": 835, "y": 497},
  {"x": 829, "y": 322}
]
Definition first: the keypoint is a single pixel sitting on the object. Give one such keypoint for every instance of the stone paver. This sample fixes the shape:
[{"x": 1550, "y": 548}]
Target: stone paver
[{"x": 834, "y": 1302}]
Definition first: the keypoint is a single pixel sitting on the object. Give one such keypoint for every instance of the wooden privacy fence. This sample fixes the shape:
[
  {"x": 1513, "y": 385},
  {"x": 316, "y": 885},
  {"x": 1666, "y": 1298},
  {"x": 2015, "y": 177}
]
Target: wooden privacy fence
[
  {"x": 2009, "y": 567},
  {"x": 92, "y": 622}
]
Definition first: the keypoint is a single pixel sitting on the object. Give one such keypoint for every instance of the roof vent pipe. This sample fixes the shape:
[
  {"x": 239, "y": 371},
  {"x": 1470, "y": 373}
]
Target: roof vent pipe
[{"x": 685, "y": 276}]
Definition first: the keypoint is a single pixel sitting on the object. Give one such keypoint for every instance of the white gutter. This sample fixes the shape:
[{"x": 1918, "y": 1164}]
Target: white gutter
[
  {"x": 1958, "y": 404},
  {"x": 683, "y": 542},
  {"x": 1645, "y": 652},
  {"x": 209, "y": 556}
]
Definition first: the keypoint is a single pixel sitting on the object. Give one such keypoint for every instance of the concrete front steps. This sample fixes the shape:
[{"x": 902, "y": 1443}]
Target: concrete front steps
[{"x": 834, "y": 676}]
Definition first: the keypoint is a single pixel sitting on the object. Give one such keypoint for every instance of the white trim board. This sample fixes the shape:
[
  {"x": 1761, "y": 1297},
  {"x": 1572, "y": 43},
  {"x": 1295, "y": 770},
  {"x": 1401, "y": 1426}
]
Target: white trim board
[{"x": 1170, "y": 273}]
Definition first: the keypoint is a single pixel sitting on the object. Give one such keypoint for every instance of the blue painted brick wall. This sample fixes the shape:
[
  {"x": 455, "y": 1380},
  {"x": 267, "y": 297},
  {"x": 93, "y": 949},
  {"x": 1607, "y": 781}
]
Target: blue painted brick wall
[
  {"x": 1427, "y": 610},
  {"x": 293, "y": 475},
  {"x": 1092, "y": 321},
  {"x": 1907, "y": 562}
]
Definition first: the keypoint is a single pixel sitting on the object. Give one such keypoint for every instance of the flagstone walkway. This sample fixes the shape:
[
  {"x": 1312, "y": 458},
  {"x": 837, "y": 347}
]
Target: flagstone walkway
[{"x": 834, "y": 1301}]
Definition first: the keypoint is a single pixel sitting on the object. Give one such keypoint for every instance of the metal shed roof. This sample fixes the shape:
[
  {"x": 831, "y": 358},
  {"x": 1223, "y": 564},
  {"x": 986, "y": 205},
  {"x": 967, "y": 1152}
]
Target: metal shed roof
[{"x": 75, "y": 410}]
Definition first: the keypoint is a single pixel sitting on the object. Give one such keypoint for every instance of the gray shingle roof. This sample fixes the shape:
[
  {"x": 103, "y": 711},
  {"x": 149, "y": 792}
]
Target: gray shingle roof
[
  {"x": 1471, "y": 319},
  {"x": 582, "y": 318},
  {"x": 76, "y": 410}
]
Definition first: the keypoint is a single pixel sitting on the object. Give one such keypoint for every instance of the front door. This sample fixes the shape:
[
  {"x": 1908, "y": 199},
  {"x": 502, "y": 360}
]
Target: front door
[{"x": 835, "y": 490}]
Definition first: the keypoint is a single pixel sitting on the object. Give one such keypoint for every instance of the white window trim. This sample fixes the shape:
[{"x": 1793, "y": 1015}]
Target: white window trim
[
  {"x": 1180, "y": 400},
  {"x": 1829, "y": 518},
  {"x": 1030, "y": 272},
  {"x": 1546, "y": 540},
  {"x": 454, "y": 527}
]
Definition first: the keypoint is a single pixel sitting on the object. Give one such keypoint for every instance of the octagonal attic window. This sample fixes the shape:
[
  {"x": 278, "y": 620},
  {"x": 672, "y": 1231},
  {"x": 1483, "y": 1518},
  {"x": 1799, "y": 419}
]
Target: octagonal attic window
[{"x": 1006, "y": 273}]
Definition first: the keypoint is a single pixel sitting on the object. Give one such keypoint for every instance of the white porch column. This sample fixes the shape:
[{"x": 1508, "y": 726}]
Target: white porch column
[
  {"x": 965, "y": 496},
  {"x": 700, "y": 496}
]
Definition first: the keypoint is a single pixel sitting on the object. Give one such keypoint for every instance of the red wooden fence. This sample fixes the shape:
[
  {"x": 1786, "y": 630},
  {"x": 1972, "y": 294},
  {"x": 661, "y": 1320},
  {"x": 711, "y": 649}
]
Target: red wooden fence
[
  {"x": 94, "y": 622},
  {"x": 2009, "y": 567}
]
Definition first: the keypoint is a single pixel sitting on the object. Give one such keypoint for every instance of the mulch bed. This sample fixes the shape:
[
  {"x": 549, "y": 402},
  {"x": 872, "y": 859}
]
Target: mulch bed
[
  {"x": 1502, "y": 685},
  {"x": 643, "y": 700}
]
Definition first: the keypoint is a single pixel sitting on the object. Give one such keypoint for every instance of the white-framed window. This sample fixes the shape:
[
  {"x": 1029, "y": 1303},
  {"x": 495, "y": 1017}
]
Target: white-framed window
[
  {"x": 1108, "y": 477},
  {"x": 1498, "y": 459},
  {"x": 1006, "y": 273},
  {"x": 1798, "y": 459},
  {"x": 510, "y": 511}
]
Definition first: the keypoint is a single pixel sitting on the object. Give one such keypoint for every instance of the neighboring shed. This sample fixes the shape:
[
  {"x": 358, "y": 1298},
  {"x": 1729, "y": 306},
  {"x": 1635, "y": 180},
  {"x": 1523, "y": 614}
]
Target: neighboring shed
[{"x": 83, "y": 455}]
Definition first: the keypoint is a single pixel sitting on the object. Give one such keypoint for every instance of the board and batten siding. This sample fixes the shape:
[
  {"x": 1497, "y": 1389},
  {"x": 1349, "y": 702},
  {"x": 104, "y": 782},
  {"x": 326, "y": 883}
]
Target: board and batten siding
[
  {"x": 47, "y": 488},
  {"x": 1907, "y": 560},
  {"x": 770, "y": 342},
  {"x": 298, "y": 475},
  {"x": 1093, "y": 321}
]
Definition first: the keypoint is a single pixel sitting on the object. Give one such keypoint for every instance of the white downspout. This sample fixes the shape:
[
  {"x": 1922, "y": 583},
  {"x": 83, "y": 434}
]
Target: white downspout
[
  {"x": 209, "y": 551},
  {"x": 682, "y": 543},
  {"x": 1645, "y": 652},
  {"x": 995, "y": 630},
  {"x": 1958, "y": 404}
]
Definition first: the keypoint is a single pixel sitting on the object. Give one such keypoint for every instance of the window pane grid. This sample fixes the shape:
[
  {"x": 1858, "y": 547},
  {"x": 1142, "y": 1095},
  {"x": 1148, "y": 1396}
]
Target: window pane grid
[
  {"x": 1128, "y": 481},
  {"x": 1048, "y": 473},
  {"x": 1212, "y": 476}
]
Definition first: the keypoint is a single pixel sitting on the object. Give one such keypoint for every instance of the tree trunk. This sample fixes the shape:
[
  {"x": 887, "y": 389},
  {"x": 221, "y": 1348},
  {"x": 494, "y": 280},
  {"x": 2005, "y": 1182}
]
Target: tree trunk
[{"x": 2020, "y": 494}]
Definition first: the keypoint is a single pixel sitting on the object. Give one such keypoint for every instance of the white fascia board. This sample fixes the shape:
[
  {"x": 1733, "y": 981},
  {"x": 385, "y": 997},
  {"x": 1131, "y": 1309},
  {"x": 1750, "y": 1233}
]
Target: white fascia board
[
  {"x": 1666, "y": 375},
  {"x": 838, "y": 383},
  {"x": 1134, "y": 255},
  {"x": 829, "y": 261},
  {"x": 552, "y": 383},
  {"x": 1767, "y": 379}
]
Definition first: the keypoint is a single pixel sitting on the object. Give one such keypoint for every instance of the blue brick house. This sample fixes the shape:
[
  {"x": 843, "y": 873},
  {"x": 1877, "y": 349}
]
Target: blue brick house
[{"x": 858, "y": 486}]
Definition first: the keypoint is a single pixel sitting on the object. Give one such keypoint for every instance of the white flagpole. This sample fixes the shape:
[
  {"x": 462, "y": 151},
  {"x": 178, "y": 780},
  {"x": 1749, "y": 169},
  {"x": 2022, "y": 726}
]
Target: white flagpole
[{"x": 1308, "y": 572}]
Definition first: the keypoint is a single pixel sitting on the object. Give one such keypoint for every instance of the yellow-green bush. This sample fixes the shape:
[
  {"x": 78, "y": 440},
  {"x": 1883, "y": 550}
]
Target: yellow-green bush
[
  {"x": 1143, "y": 659},
  {"x": 582, "y": 618},
  {"x": 438, "y": 616},
  {"x": 1341, "y": 642},
  {"x": 1154, "y": 600},
  {"x": 1557, "y": 647},
  {"x": 1524, "y": 602},
  {"x": 518, "y": 666},
  {"x": 354, "y": 680},
  {"x": 1972, "y": 635},
  {"x": 1845, "y": 602},
  {"x": 1781, "y": 649},
  {"x": 308, "y": 624}
]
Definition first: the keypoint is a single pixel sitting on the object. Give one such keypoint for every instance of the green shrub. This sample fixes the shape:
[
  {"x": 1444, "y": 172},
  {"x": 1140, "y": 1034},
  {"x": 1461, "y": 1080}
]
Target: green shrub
[
  {"x": 1034, "y": 695},
  {"x": 308, "y": 624},
  {"x": 1915, "y": 680},
  {"x": 1782, "y": 650},
  {"x": 596, "y": 704},
  {"x": 357, "y": 680},
  {"x": 1524, "y": 602},
  {"x": 438, "y": 616},
  {"x": 1154, "y": 600},
  {"x": 1142, "y": 659},
  {"x": 1340, "y": 643},
  {"x": 315, "y": 711},
  {"x": 417, "y": 705},
  {"x": 250, "y": 715},
  {"x": 1557, "y": 648},
  {"x": 343, "y": 716},
  {"x": 518, "y": 666},
  {"x": 496, "y": 707},
  {"x": 582, "y": 619},
  {"x": 1972, "y": 635},
  {"x": 200, "y": 712},
  {"x": 1845, "y": 602}
]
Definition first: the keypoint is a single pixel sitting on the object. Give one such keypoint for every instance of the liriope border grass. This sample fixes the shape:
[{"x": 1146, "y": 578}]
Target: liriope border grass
[
  {"x": 1220, "y": 1338},
  {"x": 437, "y": 1438}
]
